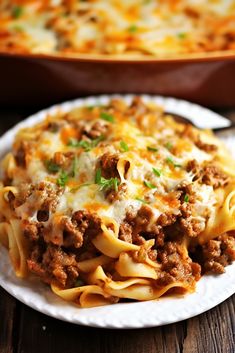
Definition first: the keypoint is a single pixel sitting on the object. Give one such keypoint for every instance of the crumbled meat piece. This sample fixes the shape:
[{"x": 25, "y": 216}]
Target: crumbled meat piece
[
  {"x": 190, "y": 226},
  {"x": 79, "y": 229},
  {"x": 209, "y": 174},
  {"x": 112, "y": 195},
  {"x": 218, "y": 253},
  {"x": 194, "y": 167},
  {"x": 63, "y": 160},
  {"x": 206, "y": 146},
  {"x": 213, "y": 176},
  {"x": 72, "y": 235},
  {"x": 53, "y": 265},
  {"x": 166, "y": 219},
  {"x": 175, "y": 266},
  {"x": 125, "y": 232},
  {"x": 108, "y": 164},
  {"x": 31, "y": 230},
  {"x": 98, "y": 129},
  {"x": 20, "y": 155}
]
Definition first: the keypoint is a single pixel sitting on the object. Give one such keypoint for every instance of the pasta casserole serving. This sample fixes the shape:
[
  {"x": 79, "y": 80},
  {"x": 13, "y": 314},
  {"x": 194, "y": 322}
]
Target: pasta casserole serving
[
  {"x": 117, "y": 202},
  {"x": 117, "y": 27}
]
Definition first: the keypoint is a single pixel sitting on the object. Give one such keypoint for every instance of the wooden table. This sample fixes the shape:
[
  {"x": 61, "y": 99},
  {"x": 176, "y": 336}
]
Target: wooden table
[{"x": 23, "y": 330}]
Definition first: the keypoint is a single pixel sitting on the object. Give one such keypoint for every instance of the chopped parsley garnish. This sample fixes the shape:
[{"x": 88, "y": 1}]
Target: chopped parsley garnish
[
  {"x": 153, "y": 149},
  {"x": 52, "y": 167},
  {"x": 62, "y": 179},
  {"x": 186, "y": 198},
  {"x": 169, "y": 145},
  {"x": 132, "y": 29},
  {"x": 141, "y": 200},
  {"x": 17, "y": 28},
  {"x": 181, "y": 35},
  {"x": 170, "y": 160},
  {"x": 123, "y": 146},
  {"x": 149, "y": 185},
  {"x": 107, "y": 117},
  {"x": 74, "y": 167},
  {"x": 17, "y": 11},
  {"x": 90, "y": 107},
  {"x": 85, "y": 144},
  {"x": 104, "y": 183},
  {"x": 157, "y": 172}
]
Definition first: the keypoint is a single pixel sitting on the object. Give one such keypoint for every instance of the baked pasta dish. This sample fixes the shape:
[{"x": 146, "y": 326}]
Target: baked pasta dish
[
  {"x": 117, "y": 201},
  {"x": 117, "y": 27}
]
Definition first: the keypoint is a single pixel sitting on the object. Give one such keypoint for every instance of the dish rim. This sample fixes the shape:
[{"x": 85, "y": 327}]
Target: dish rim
[{"x": 228, "y": 56}]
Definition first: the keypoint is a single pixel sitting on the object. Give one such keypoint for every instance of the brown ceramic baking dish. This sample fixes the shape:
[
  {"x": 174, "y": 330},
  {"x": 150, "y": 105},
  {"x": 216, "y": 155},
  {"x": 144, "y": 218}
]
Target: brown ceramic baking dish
[{"x": 31, "y": 80}]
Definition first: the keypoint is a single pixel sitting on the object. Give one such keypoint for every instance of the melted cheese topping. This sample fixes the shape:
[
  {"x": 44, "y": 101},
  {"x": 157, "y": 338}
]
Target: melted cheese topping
[
  {"x": 152, "y": 166},
  {"x": 159, "y": 28}
]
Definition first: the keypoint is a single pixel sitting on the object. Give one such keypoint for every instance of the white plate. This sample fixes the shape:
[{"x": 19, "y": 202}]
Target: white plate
[{"x": 211, "y": 290}]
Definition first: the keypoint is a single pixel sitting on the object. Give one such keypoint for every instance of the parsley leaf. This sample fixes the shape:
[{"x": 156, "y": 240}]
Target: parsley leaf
[
  {"x": 123, "y": 146},
  {"x": 107, "y": 117},
  {"x": 86, "y": 145},
  {"x": 141, "y": 200},
  {"x": 132, "y": 29},
  {"x": 170, "y": 160},
  {"x": 153, "y": 149},
  {"x": 74, "y": 167},
  {"x": 169, "y": 145},
  {"x": 17, "y": 11},
  {"x": 51, "y": 166},
  {"x": 157, "y": 172},
  {"x": 62, "y": 179},
  {"x": 104, "y": 183},
  {"x": 149, "y": 185},
  {"x": 181, "y": 35},
  {"x": 186, "y": 198}
]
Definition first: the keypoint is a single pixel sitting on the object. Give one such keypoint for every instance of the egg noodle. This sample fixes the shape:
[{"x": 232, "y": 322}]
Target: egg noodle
[{"x": 117, "y": 201}]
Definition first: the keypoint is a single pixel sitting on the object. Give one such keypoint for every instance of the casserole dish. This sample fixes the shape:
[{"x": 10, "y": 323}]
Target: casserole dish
[
  {"x": 57, "y": 50},
  {"x": 31, "y": 80}
]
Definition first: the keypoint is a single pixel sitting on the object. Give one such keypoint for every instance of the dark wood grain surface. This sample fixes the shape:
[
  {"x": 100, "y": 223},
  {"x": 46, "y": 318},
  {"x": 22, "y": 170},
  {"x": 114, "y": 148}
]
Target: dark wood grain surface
[{"x": 23, "y": 330}]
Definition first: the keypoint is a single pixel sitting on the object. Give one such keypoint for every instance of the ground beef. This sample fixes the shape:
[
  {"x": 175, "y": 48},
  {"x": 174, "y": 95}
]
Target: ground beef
[
  {"x": 53, "y": 265},
  {"x": 125, "y": 232},
  {"x": 20, "y": 154},
  {"x": 206, "y": 146},
  {"x": 77, "y": 230},
  {"x": 56, "y": 261},
  {"x": 111, "y": 195},
  {"x": 213, "y": 176},
  {"x": 190, "y": 226},
  {"x": 175, "y": 266},
  {"x": 216, "y": 254},
  {"x": 108, "y": 164},
  {"x": 98, "y": 129},
  {"x": 31, "y": 230},
  {"x": 209, "y": 174},
  {"x": 194, "y": 167},
  {"x": 63, "y": 160}
]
